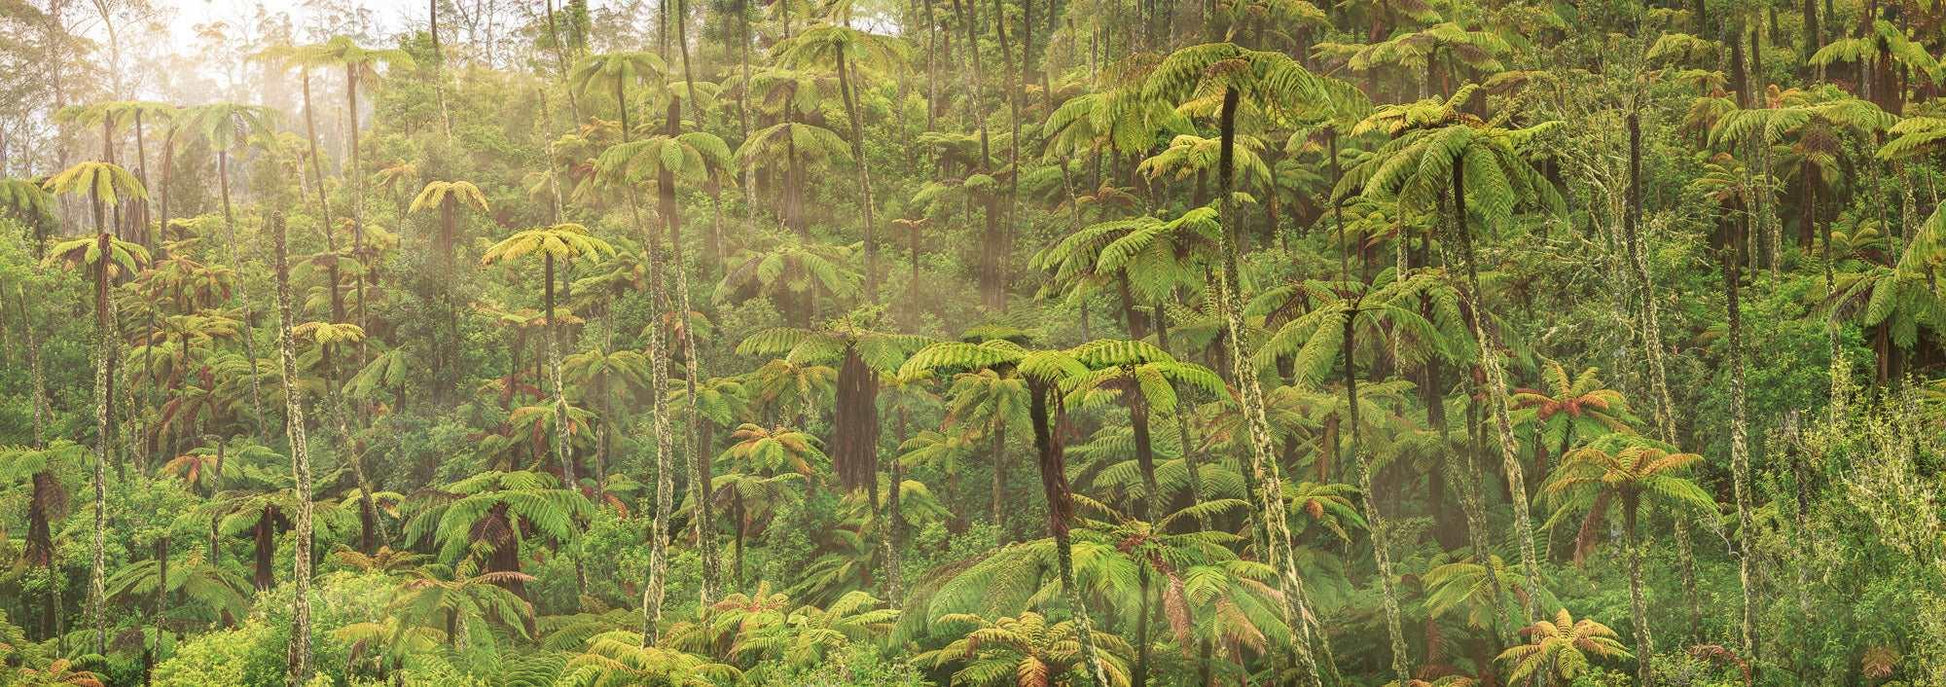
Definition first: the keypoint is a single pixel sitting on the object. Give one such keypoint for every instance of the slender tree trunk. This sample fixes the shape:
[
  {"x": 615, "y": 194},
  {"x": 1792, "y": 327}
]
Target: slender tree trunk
[
  {"x": 654, "y": 592},
  {"x": 895, "y": 519},
  {"x": 1267, "y": 482},
  {"x": 560, "y": 60},
  {"x": 932, "y": 72},
  {"x": 57, "y": 610},
  {"x": 104, "y": 437},
  {"x": 1060, "y": 510},
  {"x": 57, "y": 41},
  {"x": 439, "y": 69},
  {"x": 848, "y": 92},
  {"x": 1138, "y": 417},
  {"x": 743, "y": 116},
  {"x": 562, "y": 451},
  {"x": 141, "y": 211},
  {"x": 36, "y": 374},
  {"x": 357, "y": 173},
  {"x": 1740, "y": 462},
  {"x": 299, "y": 659},
  {"x": 324, "y": 206},
  {"x": 1394, "y": 625},
  {"x": 1496, "y": 397},
  {"x": 215, "y": 520},
  {"x": 976, "y": 81},
  {"x": 1650, "y": 325},
  {"x": 371, "y": 529},
  {"x": 700, "y": 477},
  {"x": 1000, "y": 484},
  {"x": 317, "y": 166},
  {"x": 1338, "y": 207},
  {"x": 1638, "y": 605},
  {"x": 1813, "y": 36},
  {"x": 1013, "y": 147},
  {"x": 610, "y": 422},
  {"x": 168, "y": 167}
]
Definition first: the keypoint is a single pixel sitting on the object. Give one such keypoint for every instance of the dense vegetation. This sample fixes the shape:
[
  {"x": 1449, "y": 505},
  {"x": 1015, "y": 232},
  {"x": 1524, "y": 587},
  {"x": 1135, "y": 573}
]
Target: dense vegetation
[{"x": 1064, "y": 342}]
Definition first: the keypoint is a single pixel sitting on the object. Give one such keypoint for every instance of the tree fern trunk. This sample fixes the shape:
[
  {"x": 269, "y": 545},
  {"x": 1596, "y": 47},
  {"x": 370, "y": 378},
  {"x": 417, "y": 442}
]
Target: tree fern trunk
[
  {"x": 999, "y": 483},
  {"x": 653, "y": 593},
  {"x": 1650, "y": 325},
  {"x": 1740, "y": 462},
  {"x": 562, "y": 451},
  {"x": 1496, "y": 397},
  {"x": 357, "y": 174},
  {"x": 699, "y": 458},
  {"x": 104, "y": 447},
  {"x": 1060, "y": 510},
  {"x": 371, "y": 528},
  {"x": 1394, "y": 625},
  {"x": 36, "y": 374},
  {"x": 1138, "y": 415},
  {"x": 439, "y": 69},
  {"x": 298, "y": 661},
  {"x": 1267, "y": 482},
  {"x": 1638, "y": 605},
  {"x": 892, "y": 522},
  {"x": 847, "y": 92},
  {"x": 324, "y": 206},
  {"x": 216, "y": 520},
  {"x": 560, "y": 60}
]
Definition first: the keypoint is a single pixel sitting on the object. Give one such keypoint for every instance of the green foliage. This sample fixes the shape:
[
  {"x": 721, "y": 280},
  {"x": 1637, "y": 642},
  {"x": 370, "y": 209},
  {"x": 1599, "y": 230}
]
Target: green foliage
[{"x": 1088, "y": 421}]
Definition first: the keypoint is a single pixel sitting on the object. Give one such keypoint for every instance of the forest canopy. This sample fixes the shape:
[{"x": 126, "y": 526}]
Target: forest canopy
[{"x": 1029, "y": 343}]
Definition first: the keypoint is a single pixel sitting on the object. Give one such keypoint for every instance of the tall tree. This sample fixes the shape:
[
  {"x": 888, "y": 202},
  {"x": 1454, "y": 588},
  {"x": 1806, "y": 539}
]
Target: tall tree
[
  {"x": 1471, "y": 159},
  {"x": 565, "y": 243},
  {"x": 852, "y": 54},
  {"x": 226, "y": 127},
  {"x": 1593, "y": 479},
  {"x": 104, "y": 258},
  {"x": 1279, "y": 87},
  {"x": 298, "y": 664},
  {"x": 695, "y": 158},
  {"x": 361, "y": 66}
]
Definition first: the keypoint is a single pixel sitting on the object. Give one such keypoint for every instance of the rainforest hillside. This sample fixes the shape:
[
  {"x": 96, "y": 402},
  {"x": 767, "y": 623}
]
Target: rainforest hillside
[{"x": 984, "y": 343}]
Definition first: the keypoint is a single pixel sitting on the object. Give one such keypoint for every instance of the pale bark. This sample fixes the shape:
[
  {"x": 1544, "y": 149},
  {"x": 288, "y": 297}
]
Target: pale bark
[
  {"x": 654, "y": 592},
  {"x": 1272, "y": 510},
  {"x": 1496, "y": 400},
  {"x": 298, "y": 660},
  {"x": 1649, "y": 324},
  {"x": 1381, "y": 553},
  {"x": 104, "y": 453},
  {"x": 1638, "y": 605},
  {"x": 702, "y": 525},
  {"x": 1740, "y": 466},
  {"x": 562, "y": 451}
]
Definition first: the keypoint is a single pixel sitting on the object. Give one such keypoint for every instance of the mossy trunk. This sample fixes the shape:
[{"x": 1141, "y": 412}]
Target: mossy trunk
[
  {"x": 665, "y": 445},
  {"x": 298, "y": 662},
  {"x": 1374, "y": 518},
  {"x": 1266, "y": 481},
  {"x": 1638, "y": 605},
  {"x": 1496, "y": 397}
]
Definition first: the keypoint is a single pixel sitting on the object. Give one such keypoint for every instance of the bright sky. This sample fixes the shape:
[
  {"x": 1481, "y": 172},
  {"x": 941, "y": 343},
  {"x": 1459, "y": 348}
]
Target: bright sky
[{"x": 388, "y": 15}]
